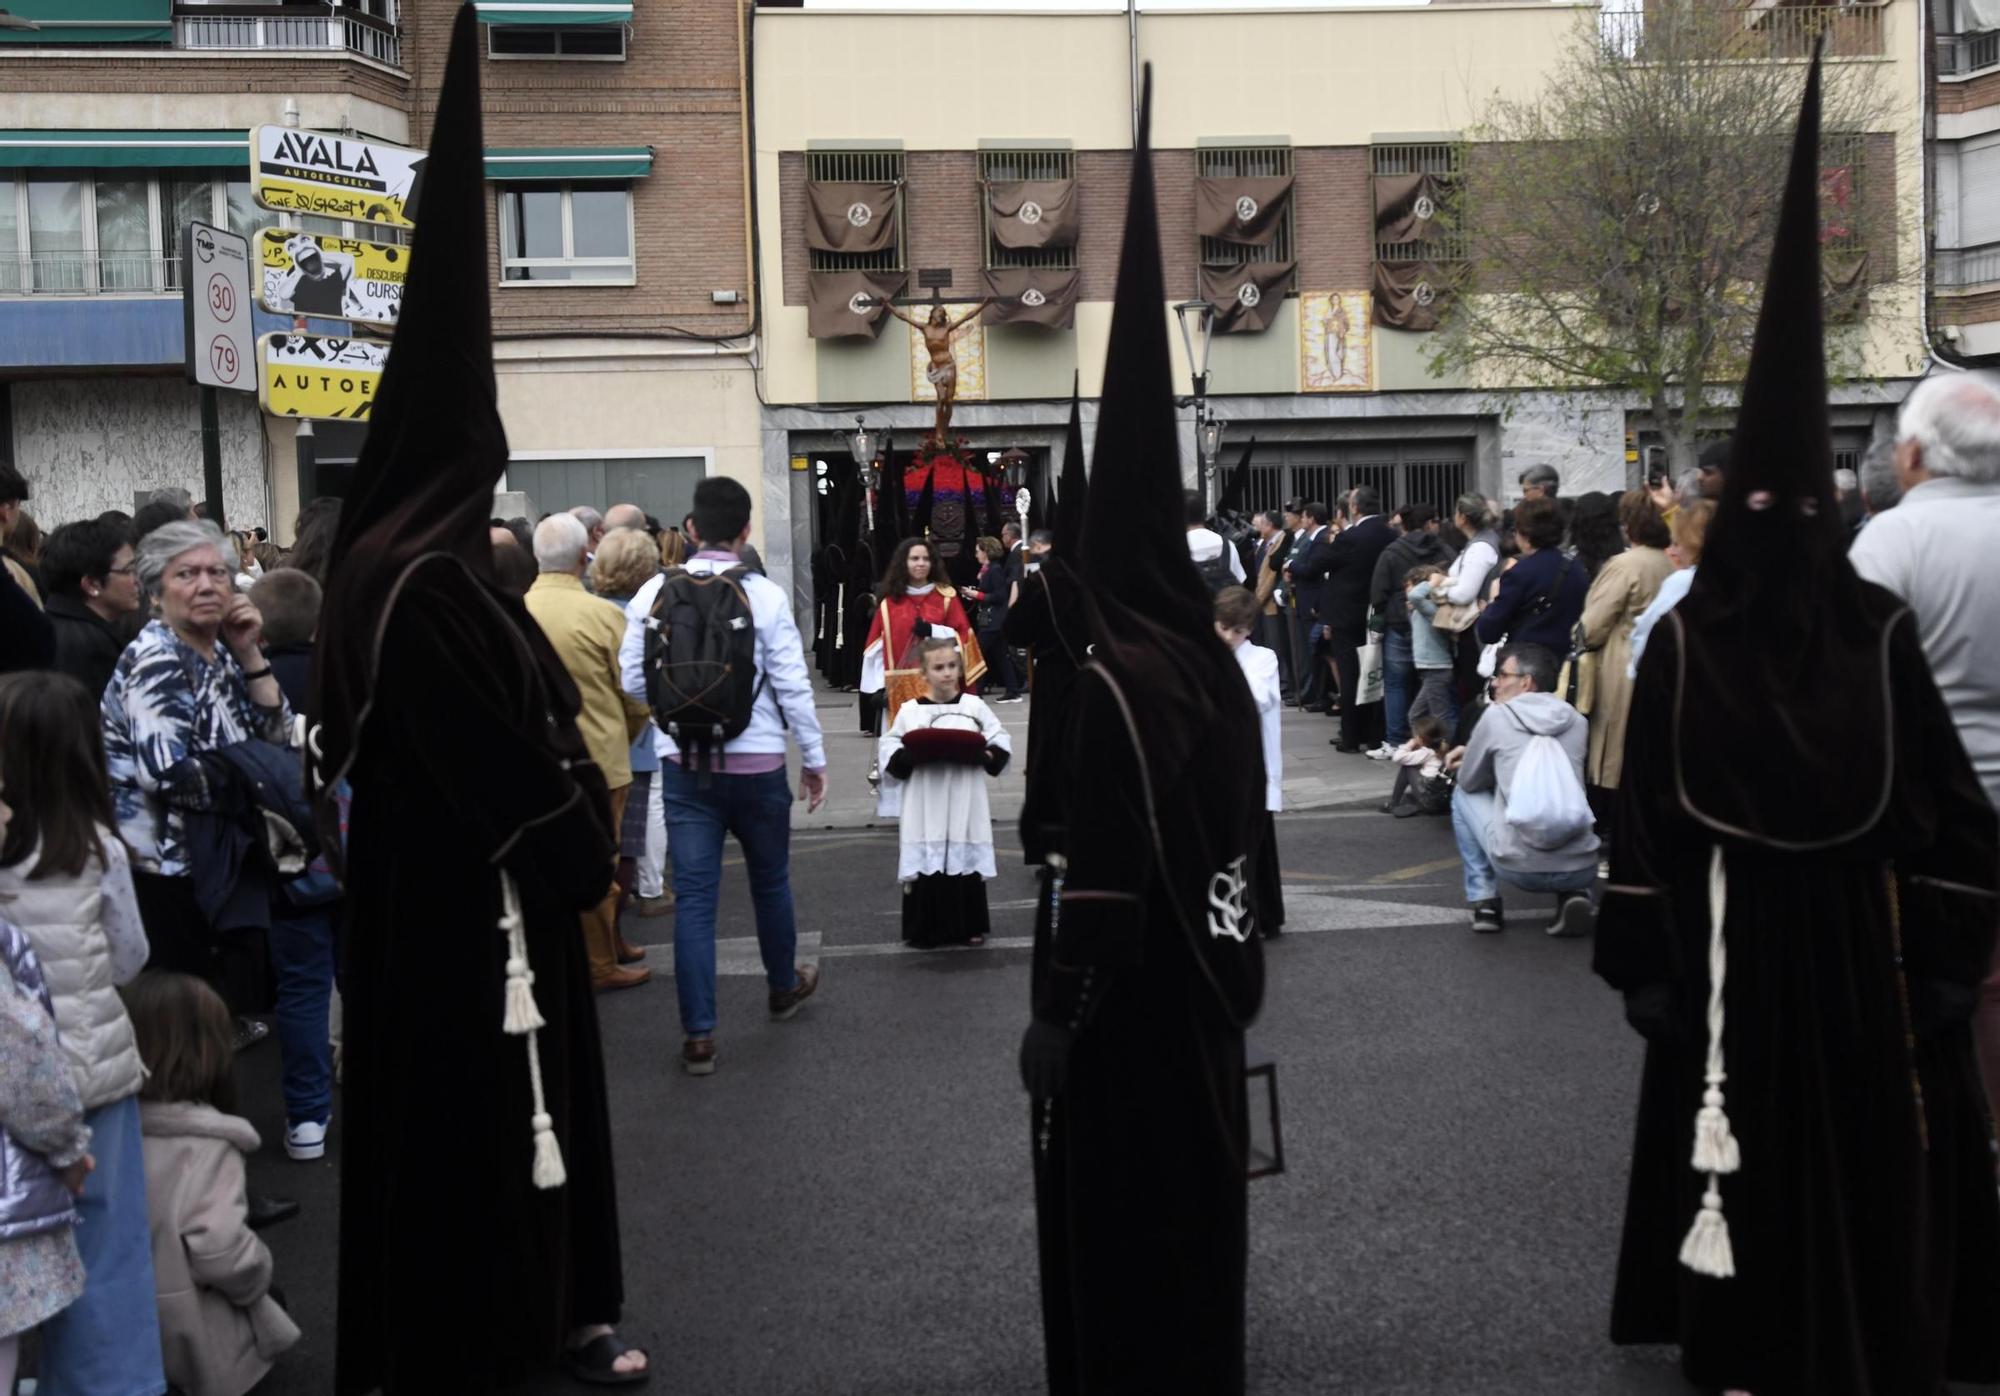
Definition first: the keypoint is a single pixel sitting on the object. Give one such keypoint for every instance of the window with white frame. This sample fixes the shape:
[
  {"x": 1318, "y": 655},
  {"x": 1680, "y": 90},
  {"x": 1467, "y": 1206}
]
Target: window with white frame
[
  {"x": 593, "y": 43},
  {"x": 111, "y": 231},
  {"x": 566, "y": 233}
]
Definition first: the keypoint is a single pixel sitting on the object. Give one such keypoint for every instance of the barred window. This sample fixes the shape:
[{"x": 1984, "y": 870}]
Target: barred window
[
  {"x": 1247, "y": 162},
  {"x": 1005, "y": 166},
  {"x": 1444, "y": 160},
  {"x": 865, "y": 167}
]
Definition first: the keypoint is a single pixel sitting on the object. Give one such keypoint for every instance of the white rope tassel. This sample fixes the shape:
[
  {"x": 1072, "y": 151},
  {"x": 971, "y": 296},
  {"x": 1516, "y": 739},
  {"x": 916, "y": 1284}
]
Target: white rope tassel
[
  {"x": 1707, "y": 1250},
  {"x": 522, "y": 1016},
  {"x": 523, "y": 1019}
]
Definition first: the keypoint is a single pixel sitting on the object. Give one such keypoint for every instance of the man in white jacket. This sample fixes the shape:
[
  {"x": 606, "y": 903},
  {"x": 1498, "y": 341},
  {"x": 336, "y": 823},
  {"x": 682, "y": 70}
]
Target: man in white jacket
[
  {"x": 748, "y": 794},
  {"x": 1935, "y": 550},
  {"x": 1492, "y": 847}
]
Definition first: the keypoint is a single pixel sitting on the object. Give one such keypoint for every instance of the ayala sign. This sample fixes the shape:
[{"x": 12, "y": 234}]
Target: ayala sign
[{"x": 333, "y": 176}]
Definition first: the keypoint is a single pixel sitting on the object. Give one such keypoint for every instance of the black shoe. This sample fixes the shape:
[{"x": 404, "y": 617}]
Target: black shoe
[
  {"x": 265, "y": 1210},
  {"x": 1313, "y": 707},
  {"x": 1487, "y": 917},
  {"x": 1346, "y": 750},
  {"x": 1409, "y": 809},
  {"x": 1574, "y": 916},
  {"x": 249, "y": 1032}
]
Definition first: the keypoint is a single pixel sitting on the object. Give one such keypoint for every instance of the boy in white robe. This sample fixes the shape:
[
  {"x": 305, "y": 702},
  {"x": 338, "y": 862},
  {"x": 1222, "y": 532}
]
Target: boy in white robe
[{"x": 1236, "y": 612}]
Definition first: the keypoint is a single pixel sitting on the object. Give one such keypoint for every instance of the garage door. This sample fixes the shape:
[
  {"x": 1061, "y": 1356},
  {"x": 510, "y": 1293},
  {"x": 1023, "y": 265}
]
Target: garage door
[{"x": 661, "y": 485}]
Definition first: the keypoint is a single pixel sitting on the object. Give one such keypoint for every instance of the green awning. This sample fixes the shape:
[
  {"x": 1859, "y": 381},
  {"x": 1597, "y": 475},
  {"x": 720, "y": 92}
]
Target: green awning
[
  {"x": 91, "y": 22},
  {"x": 569, "y": 162},
  {"x": 124, "y": 150},
  {"x": 554, "y": 14}
]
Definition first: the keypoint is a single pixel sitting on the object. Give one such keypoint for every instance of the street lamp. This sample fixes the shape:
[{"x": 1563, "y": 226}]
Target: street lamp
[
  {"x": 1197, "y": 320},
  {"x": 861, "y": 442}
]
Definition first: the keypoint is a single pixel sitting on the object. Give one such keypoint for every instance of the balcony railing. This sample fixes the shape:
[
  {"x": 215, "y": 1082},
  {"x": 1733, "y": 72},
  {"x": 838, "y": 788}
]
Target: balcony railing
[
  {"x": 300, "y": 28},
  {"x": 1755, "y": 32},
  {"x": 1963, "y": 268},
  {"x": 74, "y": 274},
  {"x": 1962, "y": 55}
]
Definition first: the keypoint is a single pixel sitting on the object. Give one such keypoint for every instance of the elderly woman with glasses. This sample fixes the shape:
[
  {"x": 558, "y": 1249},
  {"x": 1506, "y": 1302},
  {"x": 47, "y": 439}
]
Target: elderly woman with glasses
[{"x": 193, "y": 681}]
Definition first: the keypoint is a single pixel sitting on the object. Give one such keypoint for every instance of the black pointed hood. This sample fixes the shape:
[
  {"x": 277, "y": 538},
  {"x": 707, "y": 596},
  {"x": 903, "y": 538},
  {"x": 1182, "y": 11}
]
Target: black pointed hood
[
  {"x": 1158, "y": 672},
  {"x": 1237, "y": 491},
  {"x": 920, "y": 517},
  {"x": 1073, "y": 487},
  {"x": 1780, "y": 652},
  {"x": 435, "y": 447}
]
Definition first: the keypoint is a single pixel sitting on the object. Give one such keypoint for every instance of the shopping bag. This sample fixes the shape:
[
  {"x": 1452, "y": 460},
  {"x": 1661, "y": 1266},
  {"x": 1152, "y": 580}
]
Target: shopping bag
[{"x": 1368, "y": 688}]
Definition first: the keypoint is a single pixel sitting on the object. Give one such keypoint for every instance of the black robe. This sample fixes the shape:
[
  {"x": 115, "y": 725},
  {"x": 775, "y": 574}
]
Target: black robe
[
  {"x": 456, "y": 1273},
  {"x": 1863, "y": 1219},
  {"x": 1140, "y": 1163}
]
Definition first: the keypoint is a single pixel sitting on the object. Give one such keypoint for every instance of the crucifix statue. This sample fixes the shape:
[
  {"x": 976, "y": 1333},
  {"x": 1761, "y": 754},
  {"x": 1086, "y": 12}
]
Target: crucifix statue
[{"x": 937, "y": 329}]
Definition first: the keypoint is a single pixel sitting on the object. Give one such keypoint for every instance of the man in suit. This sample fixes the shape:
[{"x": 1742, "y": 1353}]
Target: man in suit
[
  {"x": 1305, "y": 569},
  {"x": 1344, "y": 610},
  {"x": 1273, "y": 546}
]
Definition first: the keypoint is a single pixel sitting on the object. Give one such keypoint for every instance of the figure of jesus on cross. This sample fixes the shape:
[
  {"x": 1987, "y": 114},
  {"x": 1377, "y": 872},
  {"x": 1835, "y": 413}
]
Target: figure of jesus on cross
[{"x": 937, "y": 330}]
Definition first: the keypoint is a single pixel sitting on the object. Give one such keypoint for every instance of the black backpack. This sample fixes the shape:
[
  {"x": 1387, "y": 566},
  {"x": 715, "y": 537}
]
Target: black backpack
[
  {"x": 701, "y": 660},
  {"x": 1215, "y": 573}
]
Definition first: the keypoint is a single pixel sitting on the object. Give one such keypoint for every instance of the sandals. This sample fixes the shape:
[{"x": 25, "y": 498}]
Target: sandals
[{"x": 592, "y": 1363}]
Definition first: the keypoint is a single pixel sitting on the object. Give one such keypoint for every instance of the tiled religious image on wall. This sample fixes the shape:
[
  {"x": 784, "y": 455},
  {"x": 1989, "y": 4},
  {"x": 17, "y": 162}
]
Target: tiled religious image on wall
[{"x": 1336, "y": 347}]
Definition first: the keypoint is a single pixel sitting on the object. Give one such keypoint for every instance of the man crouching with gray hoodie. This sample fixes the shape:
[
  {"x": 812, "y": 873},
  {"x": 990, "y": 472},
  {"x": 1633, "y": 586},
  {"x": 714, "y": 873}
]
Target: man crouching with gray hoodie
[{"x": 1519, "y": 809}]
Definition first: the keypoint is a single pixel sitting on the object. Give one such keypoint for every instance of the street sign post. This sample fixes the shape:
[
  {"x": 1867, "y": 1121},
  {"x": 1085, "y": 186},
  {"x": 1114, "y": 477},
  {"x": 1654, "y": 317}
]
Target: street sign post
[
  {"x": 331, "y": 176},
  {"x": 318, "y": 377},
  {"x": 215, "y": 320},
  {"x": 330, "y": 277}
]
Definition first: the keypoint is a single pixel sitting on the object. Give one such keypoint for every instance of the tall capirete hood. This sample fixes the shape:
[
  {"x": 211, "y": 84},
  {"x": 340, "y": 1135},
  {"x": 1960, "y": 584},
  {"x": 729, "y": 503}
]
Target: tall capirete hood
[
  {"x": 1779, "y": 650},
  {"x": 1134, "y": 543},
  {"x": 435, "y": 446},
  {"x": 1073, "y": 489},
  {"x": 1237, "y": 492}
]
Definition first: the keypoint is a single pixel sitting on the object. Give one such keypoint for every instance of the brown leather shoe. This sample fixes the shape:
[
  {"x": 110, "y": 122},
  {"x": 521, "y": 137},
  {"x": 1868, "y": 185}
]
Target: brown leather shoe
[
  {"x": 620, "y": 979},
  {"x": 784, "y": 1005},
  {"x": 698, "y": 1056},
  {"x": 628, "y": 953}
]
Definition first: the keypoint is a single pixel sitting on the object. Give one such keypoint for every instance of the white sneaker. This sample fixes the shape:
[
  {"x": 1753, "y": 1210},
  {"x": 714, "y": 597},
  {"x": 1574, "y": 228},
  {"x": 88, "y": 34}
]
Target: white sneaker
[
  {"x": 1382, "y": 752},
  {"x": 305, "y": 1141}
]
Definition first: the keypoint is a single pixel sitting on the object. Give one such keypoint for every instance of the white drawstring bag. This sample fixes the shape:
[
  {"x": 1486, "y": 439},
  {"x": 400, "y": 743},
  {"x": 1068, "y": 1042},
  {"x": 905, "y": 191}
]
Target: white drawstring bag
[{"x": 1546, "y": 804}]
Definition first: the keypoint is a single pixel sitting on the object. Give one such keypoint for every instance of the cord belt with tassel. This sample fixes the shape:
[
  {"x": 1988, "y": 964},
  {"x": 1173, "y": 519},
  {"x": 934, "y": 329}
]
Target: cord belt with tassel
[
  {"x": 522, "y": 1018},
  {"x": 1706, "y": 1250}
]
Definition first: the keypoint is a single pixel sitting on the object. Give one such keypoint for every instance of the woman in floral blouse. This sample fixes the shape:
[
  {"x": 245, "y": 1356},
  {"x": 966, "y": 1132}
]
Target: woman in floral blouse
[{"x": 193, "y": 681}]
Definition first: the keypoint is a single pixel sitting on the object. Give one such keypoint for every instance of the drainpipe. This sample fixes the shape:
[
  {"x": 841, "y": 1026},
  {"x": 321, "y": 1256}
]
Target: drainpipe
[{"x": 1132, "y": 40}]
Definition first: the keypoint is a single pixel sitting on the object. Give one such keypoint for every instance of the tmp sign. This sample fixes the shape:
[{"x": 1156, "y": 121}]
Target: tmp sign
[{"x": 215, "y": 305}]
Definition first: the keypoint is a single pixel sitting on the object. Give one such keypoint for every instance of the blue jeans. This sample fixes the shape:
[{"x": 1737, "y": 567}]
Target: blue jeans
[
  {"x": 757, "y": 809},
  {"x": 1471, "y": 812},
  {"x": 302, "y": 960},
  {"x": 108, "y": 1342},
  {"x": 1399, "y": 684}
]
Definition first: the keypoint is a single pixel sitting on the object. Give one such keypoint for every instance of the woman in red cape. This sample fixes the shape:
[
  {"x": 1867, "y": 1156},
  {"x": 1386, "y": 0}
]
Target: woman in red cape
[{"x": 911, "y": 603}]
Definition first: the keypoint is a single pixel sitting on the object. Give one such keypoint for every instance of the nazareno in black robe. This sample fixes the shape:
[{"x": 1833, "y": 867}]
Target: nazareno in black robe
[
  {"x": 1864, "y": 1218},
  {"x": 456, "y": 1273}
]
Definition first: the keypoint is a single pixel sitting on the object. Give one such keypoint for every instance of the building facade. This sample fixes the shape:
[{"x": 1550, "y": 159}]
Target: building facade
[
  {"x": 1965, "y": 181},
  {"x": 1340, "y": 110},
  {"x": 623, "y": 301}
]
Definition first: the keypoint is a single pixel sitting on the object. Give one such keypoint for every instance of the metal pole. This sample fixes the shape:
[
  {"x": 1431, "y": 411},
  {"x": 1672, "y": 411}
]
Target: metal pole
[
  {"x": 308, "y": 447},
  {"x": 1201, "y": 441},
  {"x": 1132, "y": 38},
  {"x": 211, "y": 457}
]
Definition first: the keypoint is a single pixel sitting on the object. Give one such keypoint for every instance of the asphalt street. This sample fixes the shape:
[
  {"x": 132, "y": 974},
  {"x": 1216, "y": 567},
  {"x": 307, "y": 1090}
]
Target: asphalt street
[{"x": 845, "y": 1206}]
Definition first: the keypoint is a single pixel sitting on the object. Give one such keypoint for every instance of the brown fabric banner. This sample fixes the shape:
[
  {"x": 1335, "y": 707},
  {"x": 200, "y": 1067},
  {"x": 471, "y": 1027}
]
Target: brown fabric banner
[
  {"x": 1246, "y": 297},
  {"x": 834, "y": 305},
  {"x": 1845, "y": 277},
  {"x": 1031, "y": 296},
  {"x": 1033, "y": 212},
  {"x": 1410, "y": 295},
  {"x": 1407, "y": 207},
  {"x": 1241, "y": 209},
  {"x": 850, "y": 217}
]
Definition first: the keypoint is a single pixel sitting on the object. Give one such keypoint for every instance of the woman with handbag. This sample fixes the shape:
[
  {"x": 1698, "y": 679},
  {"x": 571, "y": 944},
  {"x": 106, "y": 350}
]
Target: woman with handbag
[
  {"x": 1465, "y": 586},
  {"x": 1541, "y": 596}
]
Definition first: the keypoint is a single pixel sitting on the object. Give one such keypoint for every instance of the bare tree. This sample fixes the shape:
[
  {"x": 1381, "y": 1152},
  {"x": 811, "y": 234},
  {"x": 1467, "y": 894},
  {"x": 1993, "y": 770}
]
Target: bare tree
[{"x": 1617, "y": 224}]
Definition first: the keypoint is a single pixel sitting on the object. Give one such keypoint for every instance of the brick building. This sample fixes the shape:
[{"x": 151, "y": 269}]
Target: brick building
[
  {"x": 1356, "y": 104},
  {"x": 622, "y": 298}
]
